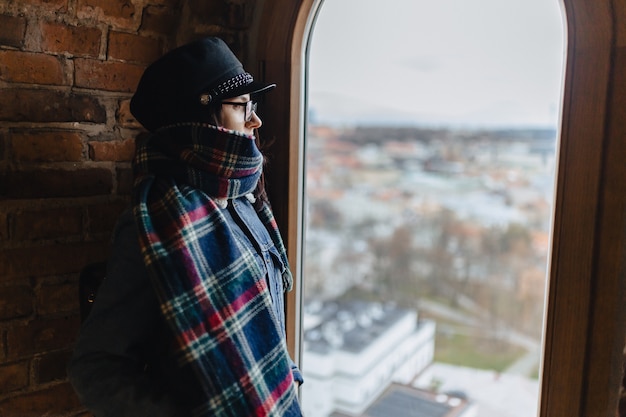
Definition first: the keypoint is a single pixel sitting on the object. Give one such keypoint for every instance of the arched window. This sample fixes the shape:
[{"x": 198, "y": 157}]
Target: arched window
[
  {"x": 430, "y": 166},
  {"x": 585, "y": 318}
]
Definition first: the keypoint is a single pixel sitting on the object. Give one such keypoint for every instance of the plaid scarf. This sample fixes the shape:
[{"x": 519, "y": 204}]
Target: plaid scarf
[{"x": 212, "y": 291}]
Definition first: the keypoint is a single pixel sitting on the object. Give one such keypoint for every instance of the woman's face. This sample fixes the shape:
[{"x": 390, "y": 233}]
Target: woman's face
[{"x": 233, "y": 116}]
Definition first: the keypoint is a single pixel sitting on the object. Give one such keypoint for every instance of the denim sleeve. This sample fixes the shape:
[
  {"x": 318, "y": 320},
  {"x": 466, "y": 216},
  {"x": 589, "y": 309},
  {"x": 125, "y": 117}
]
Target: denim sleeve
[
  {"x": 107, "y": 369},
  {"x": 277, "y": 292},
  {"x": 295, "y": 371}
]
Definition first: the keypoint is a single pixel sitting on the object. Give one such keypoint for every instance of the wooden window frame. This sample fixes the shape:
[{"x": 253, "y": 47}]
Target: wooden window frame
[{"x": 585, "y": 312}]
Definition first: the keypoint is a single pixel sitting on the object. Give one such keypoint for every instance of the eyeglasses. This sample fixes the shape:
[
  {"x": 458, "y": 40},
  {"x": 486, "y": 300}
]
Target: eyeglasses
[{"x": 250, "y": 107}]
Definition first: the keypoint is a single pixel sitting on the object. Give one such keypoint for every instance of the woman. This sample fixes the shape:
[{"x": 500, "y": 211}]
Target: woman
[{"x": 189, "y": 320}]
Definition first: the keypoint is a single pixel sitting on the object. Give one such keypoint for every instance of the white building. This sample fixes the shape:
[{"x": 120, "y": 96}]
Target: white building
[{"x": 355, "y": 350}]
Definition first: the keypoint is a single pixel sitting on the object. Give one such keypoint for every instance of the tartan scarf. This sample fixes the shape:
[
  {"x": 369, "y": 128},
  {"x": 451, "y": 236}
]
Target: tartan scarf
[{"x": 212, "y": 292}]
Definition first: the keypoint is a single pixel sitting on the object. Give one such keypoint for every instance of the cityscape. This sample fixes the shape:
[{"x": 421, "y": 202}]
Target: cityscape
[{"x": 425, "y": 267}]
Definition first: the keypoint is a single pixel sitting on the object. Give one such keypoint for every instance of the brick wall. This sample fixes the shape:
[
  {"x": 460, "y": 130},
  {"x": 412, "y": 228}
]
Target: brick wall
[
  {"x": 67, "y": 71},
  {"x": 621, "y": 408}
]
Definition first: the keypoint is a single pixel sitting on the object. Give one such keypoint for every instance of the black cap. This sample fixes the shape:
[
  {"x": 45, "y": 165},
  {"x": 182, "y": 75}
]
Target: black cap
[{"x": 178, "y": 86}]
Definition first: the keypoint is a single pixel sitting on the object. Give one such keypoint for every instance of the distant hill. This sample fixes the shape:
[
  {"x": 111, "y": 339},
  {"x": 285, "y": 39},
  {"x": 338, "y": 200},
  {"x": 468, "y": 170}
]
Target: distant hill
[{"x": 379, "y": 134}]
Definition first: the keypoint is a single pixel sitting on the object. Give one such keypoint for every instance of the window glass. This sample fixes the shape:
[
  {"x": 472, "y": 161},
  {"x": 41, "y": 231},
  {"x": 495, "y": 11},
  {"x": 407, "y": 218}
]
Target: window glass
[{"x": 430, "y": 161}]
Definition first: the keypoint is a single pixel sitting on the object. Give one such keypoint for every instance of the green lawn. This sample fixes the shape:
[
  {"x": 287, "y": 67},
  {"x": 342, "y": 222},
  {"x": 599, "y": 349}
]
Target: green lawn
[{"x": 475, "y": 352}]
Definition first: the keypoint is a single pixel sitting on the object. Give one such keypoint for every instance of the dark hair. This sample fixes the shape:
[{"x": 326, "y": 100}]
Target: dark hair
[{"x": 260, "y": 193}]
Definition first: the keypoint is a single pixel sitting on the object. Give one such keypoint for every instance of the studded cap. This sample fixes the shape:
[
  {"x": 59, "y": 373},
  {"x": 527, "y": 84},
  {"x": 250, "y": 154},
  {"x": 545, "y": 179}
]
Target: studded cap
[{"x": 178, "y": 86}]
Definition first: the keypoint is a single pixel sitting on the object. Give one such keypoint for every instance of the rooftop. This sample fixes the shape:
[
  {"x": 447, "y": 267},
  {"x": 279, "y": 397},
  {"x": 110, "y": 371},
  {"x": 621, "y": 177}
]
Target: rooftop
[
  {"x": 350, "y": 325},
  {"x": 402, "y": 400}
]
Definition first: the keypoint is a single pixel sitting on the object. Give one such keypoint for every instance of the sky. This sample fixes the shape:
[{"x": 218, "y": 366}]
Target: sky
[{"x": 464, "y": 63}]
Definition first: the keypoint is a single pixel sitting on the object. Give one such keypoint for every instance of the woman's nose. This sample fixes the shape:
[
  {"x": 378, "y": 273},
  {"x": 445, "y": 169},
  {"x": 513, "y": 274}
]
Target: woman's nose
[{"x": 255, "y": 121}]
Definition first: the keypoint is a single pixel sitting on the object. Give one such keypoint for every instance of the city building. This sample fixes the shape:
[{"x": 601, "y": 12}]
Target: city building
[{"x": 356, "y": 350}]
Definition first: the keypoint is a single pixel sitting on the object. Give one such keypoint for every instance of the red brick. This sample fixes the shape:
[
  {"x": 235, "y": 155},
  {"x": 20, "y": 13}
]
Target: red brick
[
  {"x": 109, "y": 76},
  {"x": 47, "y": 224},
  {"x": 3, "y": 146},
  {"x": 51, "y": 4},
  {"x": 16, "y": 301},
  {"x": 54, "y": 183},
  {"x": 27, "y": 105},
  {"x": 4, "y": 226},
  {"x": 116, "y": 8},
  {"x": 125, "y": 181},
  {"x": 13, "y": 377},
  {"x": 102, "y": 218},
  {"x": 57, "y": 298},
  {"x": 173, "y": 4},
  {"x": 42, "y": 335},
  {"x": 209, "y": 12},
  {"x": 12, "y": 30},
  {"x": 56, "y": 146},
  {"x": 162, "y": 20},
  {"x": 27, "y": 67},
  {"x": 51, "y": 260},
  {"x": 75, "y": 40},
  {"x": 119, "y": 12},
  {"x": 125, "y": 118},
  {"x": 112, "y": 151},
  {"x": 56, "y": 400},
  {"x": 52, "y": 367},
  {"x": 131, "y": 47},
  {"x": 3, "y": 356}
]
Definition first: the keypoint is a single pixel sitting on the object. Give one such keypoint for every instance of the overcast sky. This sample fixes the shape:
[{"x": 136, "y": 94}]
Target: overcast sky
[{"x": 479, "y": 63}]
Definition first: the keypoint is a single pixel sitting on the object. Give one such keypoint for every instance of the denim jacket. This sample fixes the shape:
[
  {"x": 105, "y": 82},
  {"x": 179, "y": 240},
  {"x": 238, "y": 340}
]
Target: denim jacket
[{"x": 122, "y": 363}]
